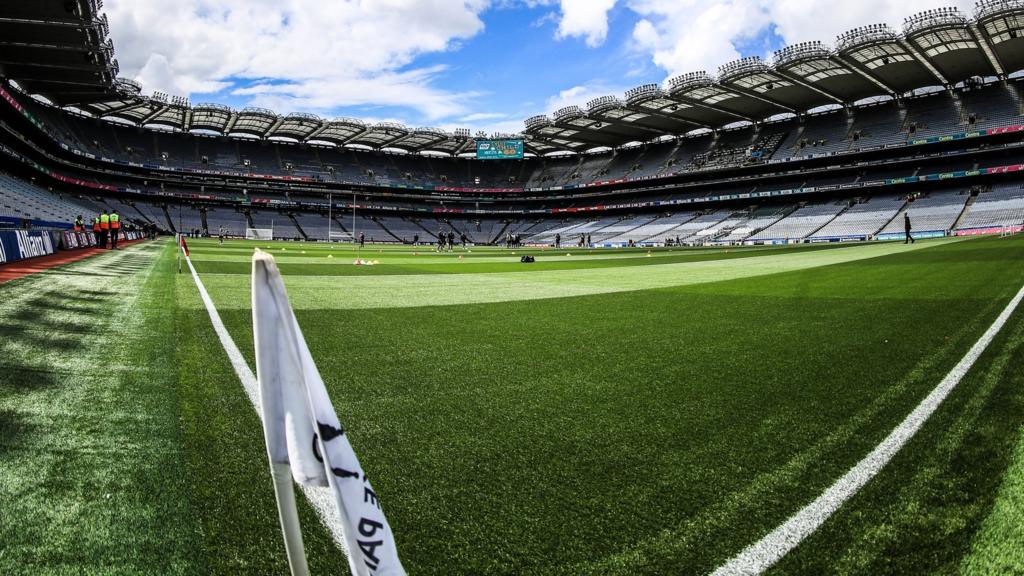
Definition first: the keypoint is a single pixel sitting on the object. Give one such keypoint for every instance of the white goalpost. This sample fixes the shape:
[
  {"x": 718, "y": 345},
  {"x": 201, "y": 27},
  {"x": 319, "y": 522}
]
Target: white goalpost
[{"x": 259, "y": 233}]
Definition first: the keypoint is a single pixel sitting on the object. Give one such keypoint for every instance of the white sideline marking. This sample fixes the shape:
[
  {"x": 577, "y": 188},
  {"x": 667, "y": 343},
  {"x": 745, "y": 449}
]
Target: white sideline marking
[
  {"x": 761, "y": 555},
  {"x": 319, "y": 497}
]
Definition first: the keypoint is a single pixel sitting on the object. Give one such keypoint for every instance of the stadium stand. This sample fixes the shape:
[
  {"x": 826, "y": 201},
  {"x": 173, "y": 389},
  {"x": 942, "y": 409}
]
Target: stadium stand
[
  {"x": 691, "y": 228},
  {"x": 317, "y": 226},
  {"x": 212, "y": 219},
  {"x": 24, "y": 200},
  {"x": 1003, "y": 207},
  {"x": 802, "y": 222},
  {"x": 708, "y": 159},
  {"x": 406, "y": 230},
  {"x": 822, "y": 133},
  {"x": 759, "y": 219},
  {"x": 621, "y": 228},
  {"x": 659, "y": 229},
  {"x": 863, "y": 219},
  {"x": 935, "y": 212}
]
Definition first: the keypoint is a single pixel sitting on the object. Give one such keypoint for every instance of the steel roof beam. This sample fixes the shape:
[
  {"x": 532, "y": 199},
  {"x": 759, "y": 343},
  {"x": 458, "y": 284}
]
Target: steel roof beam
[
  {"x": 312, "y": 135},
  {"x": 986, "y": 48},
  {"x": 801, "y": 82},
  {"x": 866, "y": 74},
  {"x": 230, "y": 124},
  {"x": 913, "y": 51},
  {"x": 128, "y": 107},
  {"x": 668, "y": 116},
  {"x": 711, "y": 107},
  {"x": 788, "y": 75},
  {"x": 154, "y": 114},
  {"x": 273, "y": 127}
]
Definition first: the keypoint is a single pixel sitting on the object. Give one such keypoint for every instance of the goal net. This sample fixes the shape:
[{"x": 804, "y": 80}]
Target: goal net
[
  {"x": 340, "y": 237},
  {"x": 259, "y": 233}
]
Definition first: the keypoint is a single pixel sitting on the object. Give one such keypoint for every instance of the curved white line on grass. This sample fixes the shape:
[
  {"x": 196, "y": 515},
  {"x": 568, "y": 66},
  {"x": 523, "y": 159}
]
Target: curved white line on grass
[
  {"x": 760, "y": 556},
  {"x": 319, "y": 497}
]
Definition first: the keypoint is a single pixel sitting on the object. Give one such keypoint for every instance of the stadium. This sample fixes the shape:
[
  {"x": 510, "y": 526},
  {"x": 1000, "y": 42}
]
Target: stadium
[{"x": 760, "y": 320}]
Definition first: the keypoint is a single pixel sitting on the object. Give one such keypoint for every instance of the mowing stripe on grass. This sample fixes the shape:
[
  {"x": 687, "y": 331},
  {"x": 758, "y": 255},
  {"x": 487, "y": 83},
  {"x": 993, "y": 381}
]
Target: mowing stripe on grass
[
  {"x": 319, "y": 497},
  {"x": 308, "y": 292},
  {"x": 761, "y": 555}
]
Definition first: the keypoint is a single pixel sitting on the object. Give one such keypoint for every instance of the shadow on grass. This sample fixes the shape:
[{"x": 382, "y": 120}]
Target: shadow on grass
[
  {"x": 117, "y": 264},
  {"x": 13, "y": 430},
  {"x": 42, "y": 337}
]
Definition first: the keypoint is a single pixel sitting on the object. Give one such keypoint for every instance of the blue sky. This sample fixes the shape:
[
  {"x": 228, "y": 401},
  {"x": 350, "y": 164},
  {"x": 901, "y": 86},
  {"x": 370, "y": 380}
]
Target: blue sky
[{"x": 479, "y": 64}]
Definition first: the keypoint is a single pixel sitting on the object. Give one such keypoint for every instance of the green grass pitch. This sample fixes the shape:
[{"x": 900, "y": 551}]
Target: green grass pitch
[{"x": 596, "y": 412}]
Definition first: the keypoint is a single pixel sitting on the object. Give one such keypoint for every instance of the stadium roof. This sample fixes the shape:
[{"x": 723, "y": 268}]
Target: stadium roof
[{"x": 59, "y": 49}]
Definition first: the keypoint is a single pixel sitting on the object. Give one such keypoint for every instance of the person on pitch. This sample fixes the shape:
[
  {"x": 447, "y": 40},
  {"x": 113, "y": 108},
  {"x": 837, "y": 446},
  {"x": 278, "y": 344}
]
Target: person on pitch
[
  {"x": 115, "y": 228},
  {"x": 96, "y": 230},
  {"x": 909, "y": 238},
  {"x": 104, "y": 228}
]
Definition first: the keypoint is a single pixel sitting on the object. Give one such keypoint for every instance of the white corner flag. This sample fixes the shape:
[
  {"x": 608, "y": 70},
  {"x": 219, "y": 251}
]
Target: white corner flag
[{"x": 304, "y": 437}]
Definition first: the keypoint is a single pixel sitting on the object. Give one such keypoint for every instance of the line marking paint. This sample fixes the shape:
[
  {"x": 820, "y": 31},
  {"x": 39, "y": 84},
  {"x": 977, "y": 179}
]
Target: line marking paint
[
  {"x": 319, "y": 497},
  {"x": 763, "y": 554},
  {"x": 756, "y": 558}
]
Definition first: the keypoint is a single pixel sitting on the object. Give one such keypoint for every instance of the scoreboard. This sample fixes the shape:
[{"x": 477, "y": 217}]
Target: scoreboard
[{"x": 499, "y": 149}]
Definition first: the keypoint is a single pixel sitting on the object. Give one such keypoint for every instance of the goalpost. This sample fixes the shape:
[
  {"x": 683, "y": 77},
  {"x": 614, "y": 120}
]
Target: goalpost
[{"x": 259, "y": 233}]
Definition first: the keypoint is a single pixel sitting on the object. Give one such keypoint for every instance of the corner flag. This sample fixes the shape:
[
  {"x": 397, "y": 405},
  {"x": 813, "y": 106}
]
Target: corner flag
[{"x": 305, "y": 440}]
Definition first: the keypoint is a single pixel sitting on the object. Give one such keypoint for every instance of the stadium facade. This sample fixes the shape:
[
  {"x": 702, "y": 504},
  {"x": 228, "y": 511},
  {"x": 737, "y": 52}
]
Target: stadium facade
[{"x": 822, "y": 144}]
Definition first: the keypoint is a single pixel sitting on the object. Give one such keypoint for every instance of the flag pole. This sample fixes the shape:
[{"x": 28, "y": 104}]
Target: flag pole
[
  {"x": 281, "y": 472},
  {"x": 284, "y": 491}
]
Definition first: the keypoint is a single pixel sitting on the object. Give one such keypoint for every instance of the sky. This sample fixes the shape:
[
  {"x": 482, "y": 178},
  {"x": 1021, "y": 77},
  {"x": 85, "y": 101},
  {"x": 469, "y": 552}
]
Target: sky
[{"x": 485, "y": 65}]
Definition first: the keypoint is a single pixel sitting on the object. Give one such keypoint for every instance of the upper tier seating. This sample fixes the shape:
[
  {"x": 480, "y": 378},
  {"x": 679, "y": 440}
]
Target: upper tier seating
[{"x": 869, "y": 125}]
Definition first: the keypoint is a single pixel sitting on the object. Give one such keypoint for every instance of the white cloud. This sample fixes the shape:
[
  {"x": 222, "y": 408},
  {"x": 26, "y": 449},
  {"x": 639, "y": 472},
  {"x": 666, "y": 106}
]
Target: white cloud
[
  {"x": 510, "y": 126},
  {"x": 585, "y": 18},
  {"x": 319, "y": 54},
  {"x": 313, "y": 55},
  {"x": 481, "y": 116},
  {"x": 688, "y": 35},
  {"x": 384, "y": 89},
  {"x": 681, "y": 36},
  {"x": 580, "y": 95},
  {"x": 803, "y": 20}
]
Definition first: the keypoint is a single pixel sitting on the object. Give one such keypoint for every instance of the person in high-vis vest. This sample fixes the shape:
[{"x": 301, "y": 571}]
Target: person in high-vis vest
[
  {"x": 79, "y": 224},
  {"x": 104, "y": 229},
  {"x": 115, "y": 229},
  {"x": 96, "y": 229}
]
